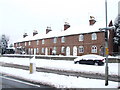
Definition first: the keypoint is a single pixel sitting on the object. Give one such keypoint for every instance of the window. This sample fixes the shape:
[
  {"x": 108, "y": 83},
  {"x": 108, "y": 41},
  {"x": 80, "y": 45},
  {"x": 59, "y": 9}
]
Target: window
[
  {"x": 81, "y": 49},
  {"x": 62, "y": 49},
  {"x": 29, "y": 43},
  {"x": 43, "y": 50},
  {"x": 55, "y": 40},
  {"x": 29, "y": 50},
  {"x": 94, "y": 49},
  {"x": 19, "y": 44},
  {"x": 63, "y": 39},
  {"x": 94, "y": 36},
  {"x": 43, "y": 41},
  {"x": 37, "y": 42},
  {"x": 37, "y": 50},
  {"x": 25, "y": 43},
  {"x": 54, "y": 51},
  {"x": 81, "y": 37}
]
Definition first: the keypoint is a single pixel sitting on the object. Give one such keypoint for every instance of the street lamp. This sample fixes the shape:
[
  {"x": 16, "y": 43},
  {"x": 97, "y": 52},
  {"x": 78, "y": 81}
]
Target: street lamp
[{"x": 106, "y": 45}]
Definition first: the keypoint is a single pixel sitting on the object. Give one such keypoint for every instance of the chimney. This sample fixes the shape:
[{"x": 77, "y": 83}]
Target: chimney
[
  {"x": 110, "y": 24},
  {"x": 25, "y": 35},
  {"x": 35, "y": 32},
  {"x": 92, "y": 20},
  {"x": 66, "y": 26},
  {"x": 48, "y": 30}
]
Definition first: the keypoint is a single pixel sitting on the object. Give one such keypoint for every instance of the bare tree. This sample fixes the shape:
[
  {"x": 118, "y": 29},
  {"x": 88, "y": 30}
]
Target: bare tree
[{"x": 3, "y": 43}]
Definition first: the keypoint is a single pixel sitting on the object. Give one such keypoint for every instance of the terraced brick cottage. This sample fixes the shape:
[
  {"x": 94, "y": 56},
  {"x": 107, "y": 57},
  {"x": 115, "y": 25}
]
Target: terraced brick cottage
[{"x": 71, "y": 41}]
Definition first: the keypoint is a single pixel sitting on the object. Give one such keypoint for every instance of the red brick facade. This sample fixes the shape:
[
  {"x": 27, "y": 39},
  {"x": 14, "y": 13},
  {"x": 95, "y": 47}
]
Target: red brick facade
[{"x": 71, "y": 42}]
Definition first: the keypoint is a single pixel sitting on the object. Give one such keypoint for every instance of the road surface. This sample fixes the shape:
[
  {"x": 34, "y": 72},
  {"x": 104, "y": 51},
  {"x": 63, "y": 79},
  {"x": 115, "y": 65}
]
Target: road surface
[{"x": 10, "y": 82}]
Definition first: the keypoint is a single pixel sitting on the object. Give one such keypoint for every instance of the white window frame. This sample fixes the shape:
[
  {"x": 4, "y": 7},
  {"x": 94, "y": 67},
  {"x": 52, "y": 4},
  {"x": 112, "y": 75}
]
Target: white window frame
[
  {"x": 37, "y": 42},
  {"x": 81, "y": 49},
  {"x": 29, "y": 50},
  {"x": 62, "y": 39},
  {"x": 81, "y": 37},
  {"x": 29, "y": 43},
  {"x": 43, "y": 41},
  {"x": 54, "y": 40},
  {"x": 94, "y": 36},
  {"x": 43, "y": 50},
  {"x": 62, "y": 49},
  {"x": 94, "y": 49},
  {"x": 19, "y": 44},
  {"x": 25, "y": 43},
  {"x": 37, "y": 50}
]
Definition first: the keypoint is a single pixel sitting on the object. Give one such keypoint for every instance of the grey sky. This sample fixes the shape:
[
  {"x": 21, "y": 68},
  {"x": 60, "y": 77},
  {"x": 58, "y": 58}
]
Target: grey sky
[{"x": 19, "y": 16}]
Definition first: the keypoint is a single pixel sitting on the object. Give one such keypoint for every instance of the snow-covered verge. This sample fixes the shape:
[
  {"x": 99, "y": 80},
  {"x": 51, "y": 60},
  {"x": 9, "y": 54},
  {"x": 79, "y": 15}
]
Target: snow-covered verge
[
  {"x": 58, "y": 81},
  {"x": 63, "y": 65}
]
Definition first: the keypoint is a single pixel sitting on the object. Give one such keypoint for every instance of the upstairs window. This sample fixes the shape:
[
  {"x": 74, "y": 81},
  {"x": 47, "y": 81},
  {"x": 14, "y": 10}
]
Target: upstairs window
[
  {"x": 25, "y": 43},
  {"x": 81, "y": 37},
  {"x": 55, "y": 40},
  {"x": 94, "y": 49},
  {"x": 94, "y": 36},
  {"x": 43, "y": 41},
  {"x": 63, "y": 39},
  {"x": 18, "y": 45},
  {"x": 29, "y": 43},
  {"x": 37, "y": 42}
]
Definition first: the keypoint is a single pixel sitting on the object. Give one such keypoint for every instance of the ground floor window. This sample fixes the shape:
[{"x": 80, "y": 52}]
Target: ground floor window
[
  {"x": 81, "y": 49},
  {"x": 94, "y": 49},
  {"x": 37, "y": 50},
  {"x": 43, "y": 50},
  {"x": 54, "y": 51},
  {"x": 62, "y": 49}
]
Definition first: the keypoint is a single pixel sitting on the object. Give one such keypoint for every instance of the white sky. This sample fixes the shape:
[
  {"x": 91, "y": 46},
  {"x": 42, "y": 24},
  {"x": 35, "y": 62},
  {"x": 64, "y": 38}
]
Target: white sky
[{"x": 19, "y": 16}]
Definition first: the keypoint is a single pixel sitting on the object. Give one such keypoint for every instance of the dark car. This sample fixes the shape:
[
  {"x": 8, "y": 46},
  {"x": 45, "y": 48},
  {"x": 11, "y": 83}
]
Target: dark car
[
  {"x": 9, "y": 51},
  {"x": 90, "y": 59}
]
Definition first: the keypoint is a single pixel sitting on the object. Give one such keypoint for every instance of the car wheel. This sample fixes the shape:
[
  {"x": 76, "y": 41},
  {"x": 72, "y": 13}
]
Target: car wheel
[
  {"x": 96, "y": 64},
  {"x": 79, "y": 62},
  {"x": 75, "y": 62}
]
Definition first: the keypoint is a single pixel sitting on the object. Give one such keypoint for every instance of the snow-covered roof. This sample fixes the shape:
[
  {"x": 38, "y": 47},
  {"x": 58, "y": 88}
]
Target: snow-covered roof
[{"x": 70, "y": 31}]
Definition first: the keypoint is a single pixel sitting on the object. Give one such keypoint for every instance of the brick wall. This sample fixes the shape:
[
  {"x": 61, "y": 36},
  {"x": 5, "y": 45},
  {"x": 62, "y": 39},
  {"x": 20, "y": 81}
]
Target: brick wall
[{"x": 70, "y": 41}]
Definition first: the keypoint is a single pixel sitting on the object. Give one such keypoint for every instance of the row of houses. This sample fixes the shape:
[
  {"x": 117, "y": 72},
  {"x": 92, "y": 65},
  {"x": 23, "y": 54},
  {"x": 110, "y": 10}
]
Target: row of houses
[{"x": 71, "y": 41}]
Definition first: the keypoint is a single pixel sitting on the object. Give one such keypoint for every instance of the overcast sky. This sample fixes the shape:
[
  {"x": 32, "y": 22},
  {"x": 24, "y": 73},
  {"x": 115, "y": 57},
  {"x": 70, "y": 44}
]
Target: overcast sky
[{"x": 19, "y": 16}]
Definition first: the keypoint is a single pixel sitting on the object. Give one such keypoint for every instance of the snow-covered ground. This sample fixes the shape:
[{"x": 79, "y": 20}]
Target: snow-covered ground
[
  {"x": 64, "y": 65},
  {"x": 60, "y": 81}
]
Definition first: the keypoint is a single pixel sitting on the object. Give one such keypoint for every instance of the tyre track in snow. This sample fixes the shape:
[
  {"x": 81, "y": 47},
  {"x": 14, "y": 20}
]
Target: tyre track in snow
[{"x": 67, "y": 73}]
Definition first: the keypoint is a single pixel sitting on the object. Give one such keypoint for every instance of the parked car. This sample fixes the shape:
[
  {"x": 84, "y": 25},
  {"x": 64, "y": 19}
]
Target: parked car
[
  {"x": 9, "y": 51},
  {"x": 90, "y": 59}
]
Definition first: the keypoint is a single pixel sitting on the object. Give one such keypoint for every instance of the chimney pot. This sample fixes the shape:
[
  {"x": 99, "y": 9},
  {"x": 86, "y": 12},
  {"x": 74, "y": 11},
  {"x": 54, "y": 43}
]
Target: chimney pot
[
  {"x": 25, "y": 35},
  {"x": 92, "y": 20},
  {"x": 35, "y": 32},
  {"x": 48, "y": 30},
  {"x": 66, "y": 26}
]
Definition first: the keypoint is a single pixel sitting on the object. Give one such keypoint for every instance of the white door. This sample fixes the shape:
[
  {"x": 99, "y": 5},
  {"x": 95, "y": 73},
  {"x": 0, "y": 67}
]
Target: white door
[
  {"x": 68, "y": 51},
  {"x": 74, "y": 51},
  {"x": 31, "y": 51},
  {"x": 46, "y": 51},
  {"x": 34, "y": 51}
]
